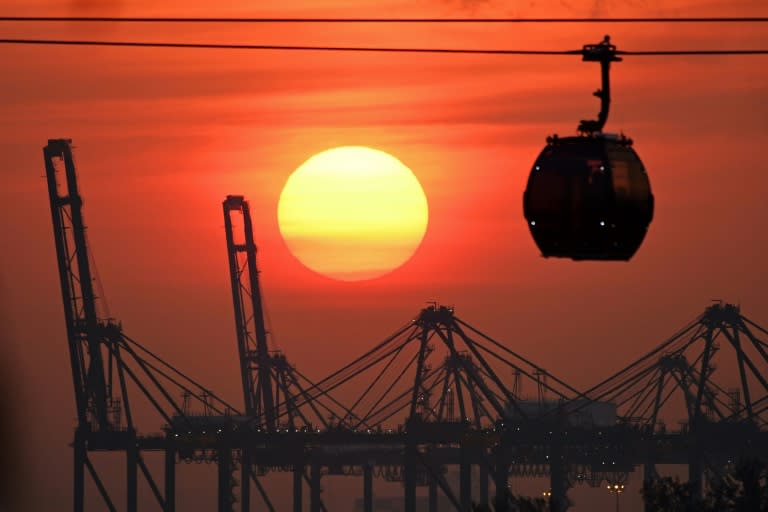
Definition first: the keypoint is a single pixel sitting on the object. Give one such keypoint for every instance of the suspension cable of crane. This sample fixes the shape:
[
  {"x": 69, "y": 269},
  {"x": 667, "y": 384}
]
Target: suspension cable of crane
[{"x": 380, "y": 49}]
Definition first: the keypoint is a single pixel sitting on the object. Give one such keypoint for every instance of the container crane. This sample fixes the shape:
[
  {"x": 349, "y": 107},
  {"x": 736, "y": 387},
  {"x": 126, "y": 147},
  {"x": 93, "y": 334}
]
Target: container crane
[
  {"x": 255, "y": 362},
  {"x": 105, "y": 361}
]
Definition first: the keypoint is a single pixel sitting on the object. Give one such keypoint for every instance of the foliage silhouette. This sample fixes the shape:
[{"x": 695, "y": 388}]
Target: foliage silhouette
[{"x": 742, "y": 489}]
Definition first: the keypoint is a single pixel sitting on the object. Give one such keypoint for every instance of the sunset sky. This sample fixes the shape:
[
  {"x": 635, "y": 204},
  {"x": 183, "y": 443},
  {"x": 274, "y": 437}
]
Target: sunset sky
[{"x": 163, "y": 135}]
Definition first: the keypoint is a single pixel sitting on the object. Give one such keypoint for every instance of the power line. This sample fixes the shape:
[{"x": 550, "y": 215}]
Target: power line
[
  {"x": 227, "y": 46},
  {"x": 109, "y": 19}
]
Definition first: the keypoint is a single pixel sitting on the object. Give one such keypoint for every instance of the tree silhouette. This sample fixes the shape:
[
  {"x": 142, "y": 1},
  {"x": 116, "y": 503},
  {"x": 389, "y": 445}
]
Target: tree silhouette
[
  {"x": 742, "y": 489},
  {"x": 666, "y": 494}
]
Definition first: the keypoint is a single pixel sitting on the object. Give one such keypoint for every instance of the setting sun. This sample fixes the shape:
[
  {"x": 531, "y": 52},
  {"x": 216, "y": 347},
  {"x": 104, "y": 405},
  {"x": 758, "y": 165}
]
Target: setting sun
[{"x": 353, "y": 213}]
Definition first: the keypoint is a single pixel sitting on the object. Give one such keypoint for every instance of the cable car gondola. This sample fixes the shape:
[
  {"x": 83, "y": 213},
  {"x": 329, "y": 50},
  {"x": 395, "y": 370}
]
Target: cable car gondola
[{"x": 588, "y": 196}]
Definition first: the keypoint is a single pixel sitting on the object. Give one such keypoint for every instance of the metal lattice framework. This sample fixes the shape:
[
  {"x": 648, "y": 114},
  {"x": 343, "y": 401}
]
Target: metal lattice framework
[
  {"x": 112, "y": 371},
  {"x": 436, "y": 393},
  {"x": 714, "y": 371},
  {"x": 688, "y": 364},
  {"x": 274, "y": 390},
  {"x": 438, "y": 368}
]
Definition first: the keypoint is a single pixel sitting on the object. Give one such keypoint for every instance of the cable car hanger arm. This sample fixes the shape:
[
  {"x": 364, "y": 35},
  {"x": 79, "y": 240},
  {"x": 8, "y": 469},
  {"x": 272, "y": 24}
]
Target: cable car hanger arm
[{"x": 604, "y": 53}]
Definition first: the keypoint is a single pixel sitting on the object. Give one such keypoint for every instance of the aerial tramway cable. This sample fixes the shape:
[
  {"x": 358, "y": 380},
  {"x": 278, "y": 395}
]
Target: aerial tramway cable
[
  {"x": 379, "y": 49},
  {"x": 244, "y": 20}
]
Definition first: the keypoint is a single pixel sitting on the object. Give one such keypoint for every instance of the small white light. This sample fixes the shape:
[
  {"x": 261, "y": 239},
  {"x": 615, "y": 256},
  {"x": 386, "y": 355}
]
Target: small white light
[
  {"x": 538, "y": 168},
  {"x": 602, "y": 223},
  {"x": 533, "y": 223}
]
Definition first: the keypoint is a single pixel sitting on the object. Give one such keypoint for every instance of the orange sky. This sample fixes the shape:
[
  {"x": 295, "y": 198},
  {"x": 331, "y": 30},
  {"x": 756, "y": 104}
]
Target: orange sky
[{"x": 164, "y": 135}]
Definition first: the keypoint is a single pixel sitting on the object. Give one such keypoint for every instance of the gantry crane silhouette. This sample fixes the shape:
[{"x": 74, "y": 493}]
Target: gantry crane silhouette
[
  {"x": 436, "y": 394},
  {"x": 106, "y": 362},
  {"x": 273, "y": 389}
]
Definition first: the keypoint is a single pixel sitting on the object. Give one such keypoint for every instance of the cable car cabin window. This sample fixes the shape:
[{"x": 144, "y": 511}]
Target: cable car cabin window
[
  {"x": 630, "y": 182},
  {"x": 597, "y": 186},
  {"x": 547, "y": 192},
  {"x": 641, "y": 187},
  {"x": 568, "y": 187},
  {"x": 621, "y": 182}
]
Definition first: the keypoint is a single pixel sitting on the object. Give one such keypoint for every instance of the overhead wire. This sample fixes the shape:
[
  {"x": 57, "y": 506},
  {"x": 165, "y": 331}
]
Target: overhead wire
[
  {"x": 237, "y": 46},
  {"x": 379, "y": 49},
  {"x": 174, "y": 19}
]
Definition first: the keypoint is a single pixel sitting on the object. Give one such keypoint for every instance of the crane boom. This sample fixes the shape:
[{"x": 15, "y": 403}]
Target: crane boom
[
  {"x": 102, "y": 355},
  {"x": 86, "y": 333},
  {"x": 255, "y": 360}
]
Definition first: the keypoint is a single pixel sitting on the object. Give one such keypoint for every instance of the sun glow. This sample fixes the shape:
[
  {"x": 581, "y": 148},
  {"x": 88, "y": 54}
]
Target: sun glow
[{"x": 352, "y": 213}]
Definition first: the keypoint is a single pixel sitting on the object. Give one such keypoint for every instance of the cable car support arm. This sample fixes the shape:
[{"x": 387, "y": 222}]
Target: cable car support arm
[{"x": 604, "y": 53}]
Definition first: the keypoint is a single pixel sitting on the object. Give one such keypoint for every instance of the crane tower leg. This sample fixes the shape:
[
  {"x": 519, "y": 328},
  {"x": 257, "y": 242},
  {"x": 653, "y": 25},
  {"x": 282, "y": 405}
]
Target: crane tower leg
[
  {"x": 432, "y": 493},
  {"x": 170, "y": 479},
  {"x": 131, "y": 479},
  {"x": 367, "y": 488},
  {"x": 465, "y": 480},
  {"x": 79, "y": 474},
  {"x": 314, "y": 488},
  {"x": 483, "y": 498},
  {"x": 298, "y": 474},
  {"x": 245, "y": 480},
  {"x": 409, "y": 477}
]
